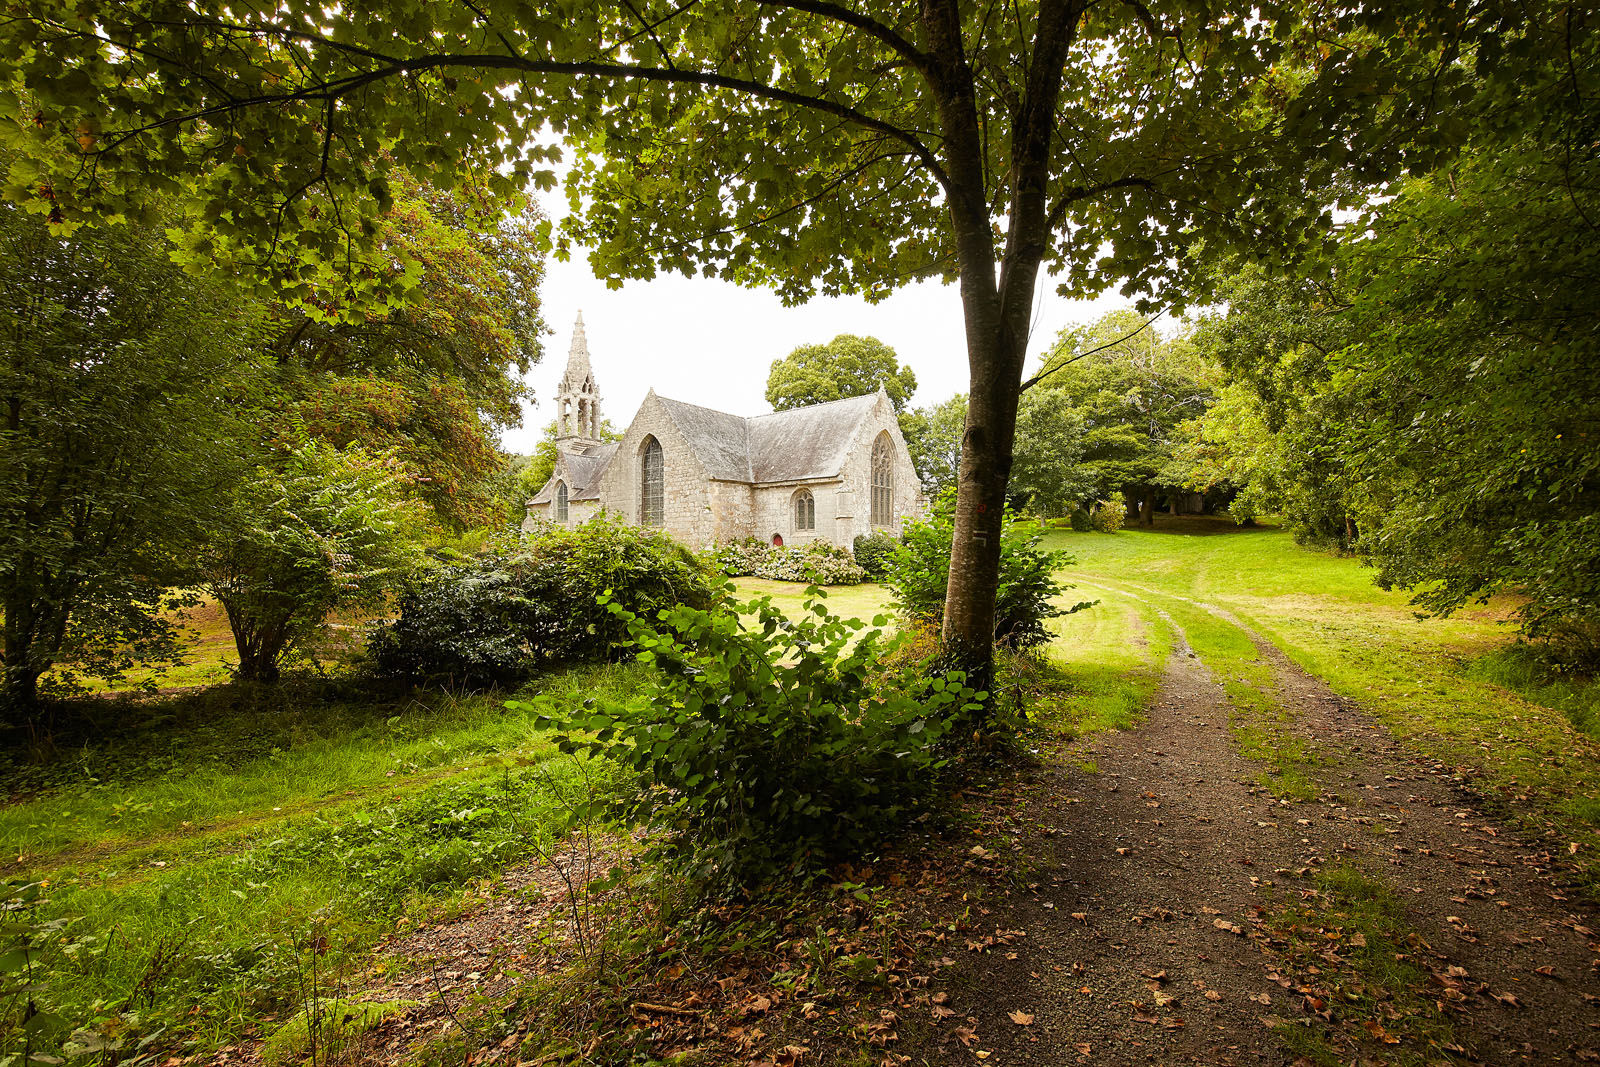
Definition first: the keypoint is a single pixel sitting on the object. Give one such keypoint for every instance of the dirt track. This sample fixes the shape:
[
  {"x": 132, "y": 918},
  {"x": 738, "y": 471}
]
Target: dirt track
[{"x": 1155, "y": 931}]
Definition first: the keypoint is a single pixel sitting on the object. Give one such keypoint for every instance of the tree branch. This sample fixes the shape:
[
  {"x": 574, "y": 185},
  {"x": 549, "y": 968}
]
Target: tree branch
[
  {"x": 838, "y": 13},
  {"x": 1046, "y": 372},
  {"x": 330, "y": 89}
]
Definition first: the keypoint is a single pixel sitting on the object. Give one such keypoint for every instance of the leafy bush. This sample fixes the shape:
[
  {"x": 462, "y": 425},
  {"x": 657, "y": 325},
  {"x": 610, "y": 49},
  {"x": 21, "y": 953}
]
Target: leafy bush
[
  {"x": 816, "y": 563},
  {"x": 874, "y": 552},
  {"x": 1109, "y": 514},
  {"x": 1082, "y": 522},
  {"x": 319, "y": 530},
  {"x": 497, "y": 620},
  {"x": 920, "y": 575},
  {"x": 763, "y": 749}
]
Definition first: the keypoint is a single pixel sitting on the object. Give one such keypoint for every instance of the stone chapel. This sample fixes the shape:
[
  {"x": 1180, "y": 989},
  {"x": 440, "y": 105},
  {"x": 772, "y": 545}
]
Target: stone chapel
[{"x": 828, "y": 472}]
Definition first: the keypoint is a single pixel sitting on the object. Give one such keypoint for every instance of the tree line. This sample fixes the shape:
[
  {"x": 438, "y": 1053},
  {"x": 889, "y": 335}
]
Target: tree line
[{"x": 171, "y": 432}]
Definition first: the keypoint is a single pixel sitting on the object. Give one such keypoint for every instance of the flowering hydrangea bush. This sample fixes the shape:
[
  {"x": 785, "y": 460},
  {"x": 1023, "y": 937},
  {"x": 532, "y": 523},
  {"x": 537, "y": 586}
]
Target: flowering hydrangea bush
[{"x": 816, "y": 563}]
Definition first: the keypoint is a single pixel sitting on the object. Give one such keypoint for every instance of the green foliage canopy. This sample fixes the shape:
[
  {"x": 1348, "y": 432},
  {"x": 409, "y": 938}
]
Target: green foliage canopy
[
  {"x": 1434, "y": 379},
  {"x": 124, "y": 390},
  {"x": 846, "y": 366}
]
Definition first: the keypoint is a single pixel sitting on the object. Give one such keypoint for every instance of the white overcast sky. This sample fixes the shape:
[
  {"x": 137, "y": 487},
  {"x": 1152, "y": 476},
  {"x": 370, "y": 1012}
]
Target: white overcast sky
[{"x": 709, "y": 342}]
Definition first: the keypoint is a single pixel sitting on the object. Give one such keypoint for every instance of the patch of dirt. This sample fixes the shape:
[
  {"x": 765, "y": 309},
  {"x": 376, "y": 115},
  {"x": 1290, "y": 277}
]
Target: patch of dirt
[{"x": 1149, "y": 931}]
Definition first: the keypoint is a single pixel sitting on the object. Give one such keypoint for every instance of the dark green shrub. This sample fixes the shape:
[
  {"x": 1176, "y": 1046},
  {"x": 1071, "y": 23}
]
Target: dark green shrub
[
  {"x": 497, "y": 620},
  {"x": 920, "y": 574},
  {"x": 1081, "y": 522},
  {"x": 764, "y": 748},
  {"x": 874, "y": 552}
]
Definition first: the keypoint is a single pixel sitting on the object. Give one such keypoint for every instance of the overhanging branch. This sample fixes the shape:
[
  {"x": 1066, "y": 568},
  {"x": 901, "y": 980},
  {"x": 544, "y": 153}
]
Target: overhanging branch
[{"x": 1043, "y": 374}]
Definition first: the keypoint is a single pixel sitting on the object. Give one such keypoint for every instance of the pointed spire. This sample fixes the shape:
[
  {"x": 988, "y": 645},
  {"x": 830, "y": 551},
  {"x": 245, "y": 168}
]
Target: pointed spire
[
  {"x": 577, "y": 396},
  {"x": 578, "y": 354}
]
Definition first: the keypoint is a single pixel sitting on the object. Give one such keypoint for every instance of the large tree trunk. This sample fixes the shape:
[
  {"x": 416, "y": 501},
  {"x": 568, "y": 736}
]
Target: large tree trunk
[
  {"x": 996, "y": 307},
  {"x": 986, "y": 455}
]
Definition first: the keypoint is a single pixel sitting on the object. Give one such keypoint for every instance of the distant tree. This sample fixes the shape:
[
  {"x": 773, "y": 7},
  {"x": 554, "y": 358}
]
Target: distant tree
[
  {"x": 123, "y": 382},
  {"x": 933, "y": 437},
  {"x": 318, "y": 530},
  {"x": 846, "y": 366},
  {"x": 1276, "y": 433},
  {"x": 1049, "y": 478},
  {"x": 435, "y": 380},
  {"x": 1132, "y": 388}
]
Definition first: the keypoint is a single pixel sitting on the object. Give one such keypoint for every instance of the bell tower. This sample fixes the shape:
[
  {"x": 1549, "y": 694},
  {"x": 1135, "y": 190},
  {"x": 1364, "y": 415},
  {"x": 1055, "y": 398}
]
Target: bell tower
[{"x": 577, "y": 398}]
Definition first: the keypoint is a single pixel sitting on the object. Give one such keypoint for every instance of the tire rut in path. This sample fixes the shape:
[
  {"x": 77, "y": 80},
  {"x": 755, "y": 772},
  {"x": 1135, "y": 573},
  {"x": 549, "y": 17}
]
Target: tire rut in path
[{"x": 1145, "y": 867}]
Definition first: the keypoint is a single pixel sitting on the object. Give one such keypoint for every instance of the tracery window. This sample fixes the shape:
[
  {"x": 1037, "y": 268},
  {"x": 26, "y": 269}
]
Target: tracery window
[
  {"x": 882, "y": 481},
  {"x": 561, "y": 501},
  {"x": 805, "y": 510},
  {"x": 652, "y": 494}
]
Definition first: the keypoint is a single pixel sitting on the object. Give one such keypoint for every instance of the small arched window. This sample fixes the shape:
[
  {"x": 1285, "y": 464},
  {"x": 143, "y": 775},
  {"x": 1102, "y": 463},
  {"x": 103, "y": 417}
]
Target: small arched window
[
  {"x": 805, "y": 510},
  {"x": 883, "y": 481},
  {"x": 652, "y": 494},
  {"x": 561, "y": 501}
]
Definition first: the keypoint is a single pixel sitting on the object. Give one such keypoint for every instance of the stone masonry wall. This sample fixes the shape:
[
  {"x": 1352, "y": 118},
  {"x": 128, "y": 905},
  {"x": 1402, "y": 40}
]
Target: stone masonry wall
[
  {"x": 687, "y": 511},
  {"x": 775, "y": 512},
  {"x": 854, "y": 513}
]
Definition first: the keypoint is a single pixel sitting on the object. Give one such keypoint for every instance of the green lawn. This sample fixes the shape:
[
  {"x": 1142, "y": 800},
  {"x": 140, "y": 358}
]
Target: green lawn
[
  {"x": 865, "y": 601},
  {"x": 196, "y": 847},
  {"x": 1432, "y": 682}
]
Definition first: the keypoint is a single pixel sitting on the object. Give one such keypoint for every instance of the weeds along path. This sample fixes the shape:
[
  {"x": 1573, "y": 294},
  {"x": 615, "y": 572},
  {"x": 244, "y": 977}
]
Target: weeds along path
[{"x": 1326, "y": 899}]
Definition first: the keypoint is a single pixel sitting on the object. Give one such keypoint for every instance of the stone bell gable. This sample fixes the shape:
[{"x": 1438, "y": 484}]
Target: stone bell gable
[{"x": 827, "y": 472}]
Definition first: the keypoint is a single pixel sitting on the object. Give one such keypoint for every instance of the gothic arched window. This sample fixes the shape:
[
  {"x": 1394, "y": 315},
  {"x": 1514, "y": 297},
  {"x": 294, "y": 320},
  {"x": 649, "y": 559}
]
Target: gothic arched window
[
  {"x": 883, "y": 481},
  {"x": 805, "y": 510},
  {"x": 561, "y": 501},
  {"x": 652, "y": 494}
]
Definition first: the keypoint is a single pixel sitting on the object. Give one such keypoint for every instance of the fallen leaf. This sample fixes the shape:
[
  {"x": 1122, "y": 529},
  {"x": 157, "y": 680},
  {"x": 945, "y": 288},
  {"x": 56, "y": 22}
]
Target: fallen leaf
[
  {"x": 1212, "y": 994},
  {"x": 1224, "y": 924},
  {"x": 1021, "y": 1018},
  {"x": 1376, "y": 1029},
  {"x": 1261, "y": 998}
]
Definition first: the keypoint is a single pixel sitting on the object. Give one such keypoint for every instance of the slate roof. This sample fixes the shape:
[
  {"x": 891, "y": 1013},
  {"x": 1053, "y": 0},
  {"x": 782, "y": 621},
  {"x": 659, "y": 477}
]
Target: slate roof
[
  {"x": 785, "y": 446},
  {"x": 721, "y": 442},
  {"x": 582, "y": 471}
]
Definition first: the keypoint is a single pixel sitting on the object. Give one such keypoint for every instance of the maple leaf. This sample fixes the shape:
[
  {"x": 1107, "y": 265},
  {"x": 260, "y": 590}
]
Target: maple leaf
[{"x": 1021, "y": 1018}]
